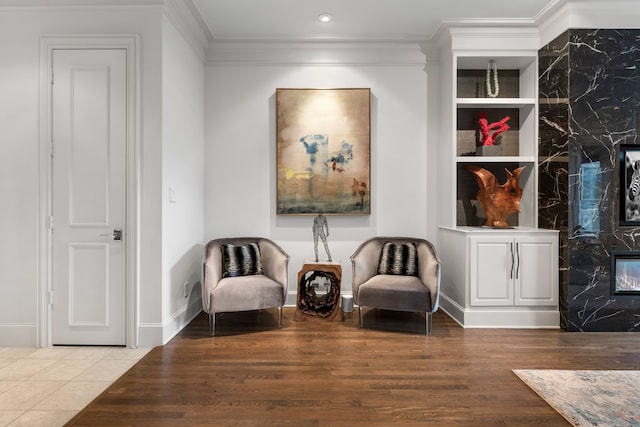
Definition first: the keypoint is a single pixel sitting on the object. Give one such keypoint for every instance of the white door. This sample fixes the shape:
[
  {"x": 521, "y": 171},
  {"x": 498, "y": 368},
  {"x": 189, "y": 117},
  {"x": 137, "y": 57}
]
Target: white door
[
  {"x": 537, "y": 271},
  {"x": 492, "y": 270},
  {"x": 89, "y": 196}
]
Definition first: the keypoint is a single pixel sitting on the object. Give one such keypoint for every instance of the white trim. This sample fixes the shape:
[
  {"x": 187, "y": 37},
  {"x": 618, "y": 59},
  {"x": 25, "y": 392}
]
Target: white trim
[
  {"x": 48, "y": 44},
  {"x": 569, "y": 14},
  {"x": 186, "y": 18},
  {"x": 18, "y": 334},
  {"x": 180, "y": 319},
  {"x": 307, "y": 53},
  {"x": 495, "y": 38},
  {"x": 150, "y": 334},
  {"x": 452, "y": 309},
  {"x": 80, "y": 4},
  {"x": 531, "y": 318},
  {"x": 291, "y": 299}
]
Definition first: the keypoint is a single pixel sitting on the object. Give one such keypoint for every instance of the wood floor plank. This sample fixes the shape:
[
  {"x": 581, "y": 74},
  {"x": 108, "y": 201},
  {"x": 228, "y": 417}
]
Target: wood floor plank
[{"x": 323, "y": 374}]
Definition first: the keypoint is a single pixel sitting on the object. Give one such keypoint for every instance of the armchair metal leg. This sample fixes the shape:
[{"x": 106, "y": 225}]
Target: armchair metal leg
[
  {"x": 212, "y": 324},
  {"x": 279, "y": 317},
  {"x": 360, "y": 316},
  {"x": 429, "y": 322}
]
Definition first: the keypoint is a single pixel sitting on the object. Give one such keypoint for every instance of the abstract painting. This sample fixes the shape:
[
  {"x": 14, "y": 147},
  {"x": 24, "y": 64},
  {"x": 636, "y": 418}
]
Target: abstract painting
[{"x": 323, "y": 141}]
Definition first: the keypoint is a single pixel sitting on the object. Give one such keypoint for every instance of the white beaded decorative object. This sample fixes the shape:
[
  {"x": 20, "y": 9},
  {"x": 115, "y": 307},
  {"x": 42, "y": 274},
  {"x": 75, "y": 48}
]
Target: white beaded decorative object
[{"x": 490, "y": 65}]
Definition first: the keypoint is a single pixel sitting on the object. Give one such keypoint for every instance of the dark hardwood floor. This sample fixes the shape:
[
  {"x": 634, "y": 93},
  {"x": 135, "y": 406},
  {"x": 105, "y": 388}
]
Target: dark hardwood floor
[{"x": 335, "y": 374}]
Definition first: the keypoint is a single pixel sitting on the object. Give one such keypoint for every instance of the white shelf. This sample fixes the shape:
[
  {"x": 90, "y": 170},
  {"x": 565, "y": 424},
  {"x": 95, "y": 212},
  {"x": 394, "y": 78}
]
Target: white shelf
[
  {"x": 491, "y": 230},
  {"x": 495, "y": 159},
  {"x": 503, "y": 61},
  {"x": 495, "y": 102}
]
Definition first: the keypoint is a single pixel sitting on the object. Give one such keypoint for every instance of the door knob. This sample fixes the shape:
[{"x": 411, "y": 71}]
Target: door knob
[{"x": 117, "y": 234}]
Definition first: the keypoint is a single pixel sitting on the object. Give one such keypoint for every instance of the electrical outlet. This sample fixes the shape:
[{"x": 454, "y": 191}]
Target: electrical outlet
[{"x": 186, "y": 289}]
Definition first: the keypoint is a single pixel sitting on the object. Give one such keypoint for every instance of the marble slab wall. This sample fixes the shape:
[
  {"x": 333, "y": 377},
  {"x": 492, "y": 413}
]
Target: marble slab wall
[{"x": 589, "y": 82}]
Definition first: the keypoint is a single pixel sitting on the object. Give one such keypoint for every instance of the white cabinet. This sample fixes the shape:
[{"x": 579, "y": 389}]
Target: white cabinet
[
  {"x": 513, "y": 270},
  {"x": 492, "y": 264},
  {"x": 500, "y": 278}
]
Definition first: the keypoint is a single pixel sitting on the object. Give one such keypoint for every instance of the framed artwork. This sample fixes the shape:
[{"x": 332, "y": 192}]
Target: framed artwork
[
  {"x": 625, "y": 273},
  {"x": 323, "y": 139},
  {"x": 629, "y": 184}
]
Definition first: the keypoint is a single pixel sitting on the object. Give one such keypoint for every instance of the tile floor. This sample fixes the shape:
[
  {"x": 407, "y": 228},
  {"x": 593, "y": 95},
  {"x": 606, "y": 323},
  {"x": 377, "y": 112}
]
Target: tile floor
[{"x": 48, "y": 386}]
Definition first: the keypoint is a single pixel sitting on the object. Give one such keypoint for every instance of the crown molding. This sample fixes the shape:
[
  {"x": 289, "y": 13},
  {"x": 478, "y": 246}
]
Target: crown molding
[
  {"x": 315, "y": 53},
  {"x": 601, "y": 14},
  {"x": 482, "y": 26},
  {"x": 186, "y": 18},
  {"x": 80, "y": 4},
  {"x": 183, "y": 14},
  {"x": 494, "y": 37},
  {"x": 548, "y": 11}
]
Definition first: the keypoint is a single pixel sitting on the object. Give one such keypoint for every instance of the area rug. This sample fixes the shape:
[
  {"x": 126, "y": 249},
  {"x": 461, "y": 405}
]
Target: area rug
[{"x": 589, "y": 398}]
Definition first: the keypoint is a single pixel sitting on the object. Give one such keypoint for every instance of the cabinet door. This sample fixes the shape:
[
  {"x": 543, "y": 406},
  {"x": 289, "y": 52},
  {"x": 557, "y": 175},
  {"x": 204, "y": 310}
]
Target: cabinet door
[
  {"x": 492, "y": 271},
  {"x": 536, "y": 271}
]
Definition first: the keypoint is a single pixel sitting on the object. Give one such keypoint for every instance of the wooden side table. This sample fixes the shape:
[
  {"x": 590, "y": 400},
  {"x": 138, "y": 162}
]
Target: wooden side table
[{"x": 319, "y": 292}]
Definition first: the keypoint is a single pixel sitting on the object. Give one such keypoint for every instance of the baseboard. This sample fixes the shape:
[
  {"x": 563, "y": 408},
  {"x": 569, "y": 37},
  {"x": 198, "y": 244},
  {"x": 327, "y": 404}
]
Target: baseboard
[
  {"x": 180, "y": 319},
  {"x": 18, "y": 335},
  {"x": 490, "y": 317},
  {"x": 149, "y": 335},
  {"x": 292, "y": 299},
  {"x": 513, "y": 319},
  {"x": 452, "y": 308},
  {"x": 155, "y": 334}
]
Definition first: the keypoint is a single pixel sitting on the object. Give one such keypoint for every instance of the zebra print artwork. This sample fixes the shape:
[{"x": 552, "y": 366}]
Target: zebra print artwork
[{"x": 632, "y": 185}]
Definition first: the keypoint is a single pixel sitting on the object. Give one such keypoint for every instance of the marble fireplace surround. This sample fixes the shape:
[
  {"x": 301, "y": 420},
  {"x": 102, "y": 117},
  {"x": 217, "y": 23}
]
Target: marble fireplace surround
[{"x": 589, "y": 83}]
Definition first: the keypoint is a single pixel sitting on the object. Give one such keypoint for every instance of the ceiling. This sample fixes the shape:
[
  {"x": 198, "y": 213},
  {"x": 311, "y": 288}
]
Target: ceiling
[{"x": 358, "y": 20}]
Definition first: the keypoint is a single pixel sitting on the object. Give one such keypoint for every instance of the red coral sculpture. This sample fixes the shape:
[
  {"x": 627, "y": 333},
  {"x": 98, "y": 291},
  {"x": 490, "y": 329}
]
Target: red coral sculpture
[{"x": 485, "y": 128}]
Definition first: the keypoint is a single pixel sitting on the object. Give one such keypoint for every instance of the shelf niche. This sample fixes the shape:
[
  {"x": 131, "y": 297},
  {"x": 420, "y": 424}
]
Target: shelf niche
[
  {"x": 473, "y": 84},
  {"x": 468, "y": 130},
  {"x": 517, "y": 98},
  {"x": 469, "y": 211}
]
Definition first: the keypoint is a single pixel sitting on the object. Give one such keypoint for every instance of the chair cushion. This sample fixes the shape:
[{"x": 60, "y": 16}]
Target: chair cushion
[
  {"x": 401, "y": 259},
  {"x": 241, "y": 260},
  {"x": 393, "y": 292},
  {"x": 246, "y": 293}
]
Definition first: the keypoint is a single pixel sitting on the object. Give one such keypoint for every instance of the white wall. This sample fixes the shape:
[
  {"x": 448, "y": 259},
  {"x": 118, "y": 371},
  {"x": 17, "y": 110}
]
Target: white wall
[
  {"x": 183, "y": 176},
  {"x": 18, "y": 178},
  {"x": 240, "y": 146},
  {"x": 20, "y": 31}
]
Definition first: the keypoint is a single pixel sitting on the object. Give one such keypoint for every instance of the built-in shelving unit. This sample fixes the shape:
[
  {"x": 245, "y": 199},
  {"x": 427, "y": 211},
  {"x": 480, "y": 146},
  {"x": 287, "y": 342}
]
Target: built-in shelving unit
[
  {"x": 493, "y": 277},
  {"x": 517, "y": 98}
]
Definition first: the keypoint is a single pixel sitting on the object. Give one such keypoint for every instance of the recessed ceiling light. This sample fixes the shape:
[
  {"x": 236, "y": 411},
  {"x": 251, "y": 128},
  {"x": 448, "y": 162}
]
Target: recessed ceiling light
[{"x": 325, "y": 17}]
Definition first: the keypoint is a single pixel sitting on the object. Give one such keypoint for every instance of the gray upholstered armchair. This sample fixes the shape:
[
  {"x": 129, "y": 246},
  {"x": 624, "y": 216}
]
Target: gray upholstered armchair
[
  {"x": 242, "y": 274},
  {"x": 397, "y": 273}
]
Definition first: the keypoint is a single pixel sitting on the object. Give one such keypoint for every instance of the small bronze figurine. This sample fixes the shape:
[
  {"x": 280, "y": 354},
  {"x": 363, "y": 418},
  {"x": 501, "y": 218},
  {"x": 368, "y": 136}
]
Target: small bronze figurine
[{"x": 320, "y": 224}]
